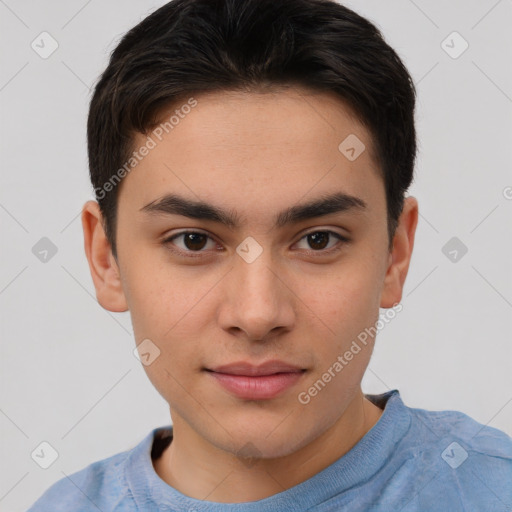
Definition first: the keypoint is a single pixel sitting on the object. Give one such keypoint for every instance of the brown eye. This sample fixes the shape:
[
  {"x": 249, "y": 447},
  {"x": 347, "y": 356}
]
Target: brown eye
[
  {"x": 189, "y": 242},
  {"x": 319, "y": 240},
  {"x": 194, "y": 241},
  {"x": 323, "y": 241}
]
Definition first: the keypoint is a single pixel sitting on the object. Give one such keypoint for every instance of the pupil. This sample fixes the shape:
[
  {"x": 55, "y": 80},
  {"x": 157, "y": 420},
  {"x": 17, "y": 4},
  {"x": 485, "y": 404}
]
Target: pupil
[
  {"x": 318, "y": 240},
  {"x": 193, "y": 241}
]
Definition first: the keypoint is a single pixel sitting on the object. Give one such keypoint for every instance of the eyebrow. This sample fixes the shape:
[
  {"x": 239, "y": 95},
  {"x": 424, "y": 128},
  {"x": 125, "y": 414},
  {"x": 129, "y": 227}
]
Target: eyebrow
[{"x": 173, "y": 204}]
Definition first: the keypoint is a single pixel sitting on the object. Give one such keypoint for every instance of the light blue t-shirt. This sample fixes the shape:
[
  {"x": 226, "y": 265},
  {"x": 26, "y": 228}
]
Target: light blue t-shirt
[{"x": 411, "y": 460}]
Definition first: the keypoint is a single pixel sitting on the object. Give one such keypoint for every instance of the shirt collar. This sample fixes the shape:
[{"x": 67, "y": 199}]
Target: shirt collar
[{"x": 358, "y": 465}]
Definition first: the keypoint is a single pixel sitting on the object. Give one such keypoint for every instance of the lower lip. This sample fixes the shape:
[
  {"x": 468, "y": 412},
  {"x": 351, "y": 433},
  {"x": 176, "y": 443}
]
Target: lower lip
[{"x": 263, "y": 387}]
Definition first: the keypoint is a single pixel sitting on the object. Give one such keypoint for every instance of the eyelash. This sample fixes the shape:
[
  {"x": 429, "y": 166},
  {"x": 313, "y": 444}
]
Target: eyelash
[{"x": 199, "y": 254}]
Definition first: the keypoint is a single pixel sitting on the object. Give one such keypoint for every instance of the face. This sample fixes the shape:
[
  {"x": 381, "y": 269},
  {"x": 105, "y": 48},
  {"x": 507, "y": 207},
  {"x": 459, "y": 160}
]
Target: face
[{"x": 278, "y": 272}]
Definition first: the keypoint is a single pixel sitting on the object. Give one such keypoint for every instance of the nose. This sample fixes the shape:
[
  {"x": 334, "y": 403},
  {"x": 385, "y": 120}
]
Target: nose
[{"x": 258, "y": 304}]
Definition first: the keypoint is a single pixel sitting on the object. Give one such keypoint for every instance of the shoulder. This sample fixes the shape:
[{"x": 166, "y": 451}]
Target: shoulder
[
  {"x": 100, "y": 486},
  {"x": 474, "y": 436},
  {"x": 461, "y": 459}
]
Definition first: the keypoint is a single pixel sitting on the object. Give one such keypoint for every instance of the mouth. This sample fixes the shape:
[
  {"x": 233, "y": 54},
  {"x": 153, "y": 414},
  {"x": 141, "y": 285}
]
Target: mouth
[{"x": 256, "y": 382}]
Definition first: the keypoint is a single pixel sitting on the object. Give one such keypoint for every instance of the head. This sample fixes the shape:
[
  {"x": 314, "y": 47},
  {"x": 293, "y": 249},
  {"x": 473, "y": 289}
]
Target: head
[{"x": 281, "y": 134}]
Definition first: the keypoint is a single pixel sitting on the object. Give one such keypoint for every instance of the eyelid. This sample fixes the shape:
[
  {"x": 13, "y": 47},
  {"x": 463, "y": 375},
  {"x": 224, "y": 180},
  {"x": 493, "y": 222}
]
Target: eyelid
[
  {"x": 342, "y": 240},
  {"x": 322, "y": 230},
  {"x": 167, "y": 241}
]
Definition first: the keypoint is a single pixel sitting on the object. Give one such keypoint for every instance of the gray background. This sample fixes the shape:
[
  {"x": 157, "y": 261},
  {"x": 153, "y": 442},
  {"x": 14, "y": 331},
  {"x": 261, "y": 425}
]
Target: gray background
[{"x": 68, "y": 374}]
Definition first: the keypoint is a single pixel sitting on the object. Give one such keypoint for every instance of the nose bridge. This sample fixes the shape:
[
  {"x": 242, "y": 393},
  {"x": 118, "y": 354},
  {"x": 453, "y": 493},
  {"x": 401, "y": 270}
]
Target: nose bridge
[
  {"x": 255, "y": 278},
  {"x": 259, "y": 301}
]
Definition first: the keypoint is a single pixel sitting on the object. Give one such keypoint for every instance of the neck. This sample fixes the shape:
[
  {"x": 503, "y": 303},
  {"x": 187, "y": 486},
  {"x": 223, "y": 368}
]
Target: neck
[{"x": 202, "y": 471}]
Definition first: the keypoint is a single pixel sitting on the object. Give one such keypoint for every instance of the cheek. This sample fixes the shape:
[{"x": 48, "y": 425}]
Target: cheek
[
  {"x": 161, "y": 299},
  {"x": 347, "y": 300},
  {"x": 170, "y": 308},
  {"x": 166, "y": 311}
]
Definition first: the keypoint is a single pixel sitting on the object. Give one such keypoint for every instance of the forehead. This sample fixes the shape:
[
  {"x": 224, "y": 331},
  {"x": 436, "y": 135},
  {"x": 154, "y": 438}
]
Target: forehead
[{"x": 266, "y": 149}]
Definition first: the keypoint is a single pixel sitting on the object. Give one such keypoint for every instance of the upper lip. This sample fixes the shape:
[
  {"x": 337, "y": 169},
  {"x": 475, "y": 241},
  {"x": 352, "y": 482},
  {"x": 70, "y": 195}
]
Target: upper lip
[{"x": 251, "y": 370}]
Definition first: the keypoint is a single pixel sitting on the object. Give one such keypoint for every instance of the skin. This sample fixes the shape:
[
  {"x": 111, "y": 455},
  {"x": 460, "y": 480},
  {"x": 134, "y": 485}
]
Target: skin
[{"x": 254, "y": 154}]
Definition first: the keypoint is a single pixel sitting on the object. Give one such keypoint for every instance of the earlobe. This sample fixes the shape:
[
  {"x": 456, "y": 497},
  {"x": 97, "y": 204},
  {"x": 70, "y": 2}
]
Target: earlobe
[
  {"x": 102, "y": 264},
  {"x": 400, "y": 256}
]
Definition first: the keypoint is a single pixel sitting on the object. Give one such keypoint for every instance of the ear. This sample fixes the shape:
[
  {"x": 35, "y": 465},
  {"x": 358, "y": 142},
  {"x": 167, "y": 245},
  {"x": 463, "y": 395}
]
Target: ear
[
  {"x": 400, "y": 255},
  {"x": 102, "y": 264}
]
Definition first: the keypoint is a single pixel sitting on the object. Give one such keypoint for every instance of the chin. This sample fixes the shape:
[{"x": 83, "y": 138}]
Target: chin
[
  {"x": 252, "y": 450},
  {"x": 250, "y": 443}
]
